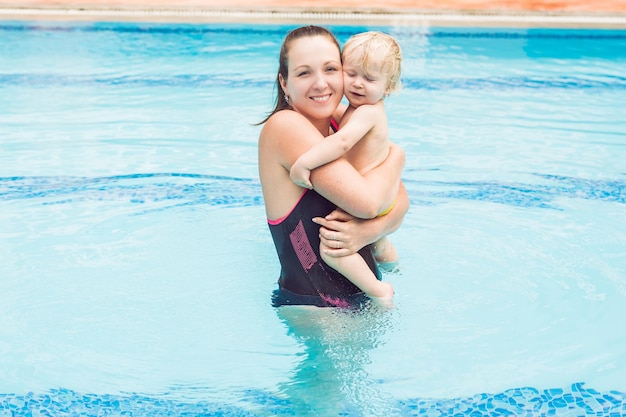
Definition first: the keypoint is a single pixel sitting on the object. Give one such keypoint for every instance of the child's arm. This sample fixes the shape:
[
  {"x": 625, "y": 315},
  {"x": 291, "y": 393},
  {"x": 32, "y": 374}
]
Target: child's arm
[{"x": 334, "y": 146}]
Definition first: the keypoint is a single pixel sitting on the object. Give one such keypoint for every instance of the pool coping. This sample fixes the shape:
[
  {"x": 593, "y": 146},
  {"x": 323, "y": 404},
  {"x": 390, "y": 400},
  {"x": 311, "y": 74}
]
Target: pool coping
[{"x": 329, "y": 16}]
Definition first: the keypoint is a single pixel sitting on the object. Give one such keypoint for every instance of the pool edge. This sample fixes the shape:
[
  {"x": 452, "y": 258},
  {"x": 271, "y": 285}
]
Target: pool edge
[{"x": 325, "y": 16}]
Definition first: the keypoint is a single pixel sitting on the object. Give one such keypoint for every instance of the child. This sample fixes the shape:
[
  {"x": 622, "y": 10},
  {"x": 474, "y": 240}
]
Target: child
[{"x": 371, "y": 71}]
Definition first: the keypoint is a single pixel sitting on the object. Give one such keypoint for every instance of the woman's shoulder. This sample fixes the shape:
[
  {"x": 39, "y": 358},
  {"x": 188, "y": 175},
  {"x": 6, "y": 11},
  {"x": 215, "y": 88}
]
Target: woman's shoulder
[
  {"x": 277, "y": 124},
  {"x": 288, "y": 125},
  {"x": 285, "y": 117}
]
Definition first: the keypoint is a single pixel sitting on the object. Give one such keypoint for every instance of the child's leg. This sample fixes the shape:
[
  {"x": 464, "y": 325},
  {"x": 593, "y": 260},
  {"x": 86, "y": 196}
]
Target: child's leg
[
  {"x": 356, "y": 270},
  {"x": 385, "y": 254}
]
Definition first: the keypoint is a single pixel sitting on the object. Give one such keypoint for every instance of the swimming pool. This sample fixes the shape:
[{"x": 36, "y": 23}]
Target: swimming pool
[{"x": 137, "y": 266}]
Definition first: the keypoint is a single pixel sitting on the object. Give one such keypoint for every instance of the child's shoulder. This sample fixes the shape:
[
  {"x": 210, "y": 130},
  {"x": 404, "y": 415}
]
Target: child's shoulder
[{"x": 370, "y": 110}]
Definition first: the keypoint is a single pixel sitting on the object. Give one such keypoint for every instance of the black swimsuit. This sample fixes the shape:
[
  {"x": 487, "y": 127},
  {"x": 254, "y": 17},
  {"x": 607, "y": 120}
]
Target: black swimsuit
[{"x": 304, "y": 277}]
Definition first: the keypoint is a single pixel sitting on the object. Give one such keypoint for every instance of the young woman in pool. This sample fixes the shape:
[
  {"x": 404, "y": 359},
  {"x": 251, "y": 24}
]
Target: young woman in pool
[
  {"x": 310, "y": 87},
  {"x": 371, "y": 71}
]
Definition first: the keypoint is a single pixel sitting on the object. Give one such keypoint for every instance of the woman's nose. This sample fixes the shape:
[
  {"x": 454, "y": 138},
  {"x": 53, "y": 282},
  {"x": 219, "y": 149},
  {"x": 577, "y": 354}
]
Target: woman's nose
[{"x": 320, "y": 81}]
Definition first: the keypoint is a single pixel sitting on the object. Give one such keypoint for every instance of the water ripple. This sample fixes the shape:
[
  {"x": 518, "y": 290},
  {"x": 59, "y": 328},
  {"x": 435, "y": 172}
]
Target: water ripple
[
  {"x": 229, "y": 81},
  {"x": 175, "y": 189},
  {"x": 521, "y": 194}
]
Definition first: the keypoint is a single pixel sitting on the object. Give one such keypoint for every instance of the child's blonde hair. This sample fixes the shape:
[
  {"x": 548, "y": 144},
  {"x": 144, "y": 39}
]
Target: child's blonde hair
[{"x": 373, "y": 50}]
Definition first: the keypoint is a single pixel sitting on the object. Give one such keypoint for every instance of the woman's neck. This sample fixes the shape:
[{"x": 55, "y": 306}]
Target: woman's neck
[{"x": 323, "y": 126}]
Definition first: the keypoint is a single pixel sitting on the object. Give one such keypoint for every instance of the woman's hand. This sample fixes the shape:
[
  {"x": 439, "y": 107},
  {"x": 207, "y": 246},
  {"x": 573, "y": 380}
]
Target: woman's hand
[{"x": 342, "y": 234}]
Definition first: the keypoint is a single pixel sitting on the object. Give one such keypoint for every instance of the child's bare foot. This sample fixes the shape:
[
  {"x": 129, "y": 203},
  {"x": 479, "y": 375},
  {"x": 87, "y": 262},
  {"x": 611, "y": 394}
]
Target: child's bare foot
[{"x": 385, "y": 297}]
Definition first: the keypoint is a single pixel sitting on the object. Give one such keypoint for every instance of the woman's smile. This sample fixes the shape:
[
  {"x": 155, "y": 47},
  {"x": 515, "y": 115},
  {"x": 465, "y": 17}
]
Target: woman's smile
[{"x": 321, "y": 99}]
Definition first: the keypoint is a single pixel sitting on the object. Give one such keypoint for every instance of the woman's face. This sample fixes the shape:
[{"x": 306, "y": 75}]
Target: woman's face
[{"x": 314, "y": 83}]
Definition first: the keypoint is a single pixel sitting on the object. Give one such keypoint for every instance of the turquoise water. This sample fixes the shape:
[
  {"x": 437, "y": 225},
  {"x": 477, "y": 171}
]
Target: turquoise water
[{"x": 136, "y": 266}]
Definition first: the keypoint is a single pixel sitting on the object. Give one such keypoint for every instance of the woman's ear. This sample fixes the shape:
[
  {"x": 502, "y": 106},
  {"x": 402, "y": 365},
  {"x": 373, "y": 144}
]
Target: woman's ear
[{"x": 283, "y": 83}]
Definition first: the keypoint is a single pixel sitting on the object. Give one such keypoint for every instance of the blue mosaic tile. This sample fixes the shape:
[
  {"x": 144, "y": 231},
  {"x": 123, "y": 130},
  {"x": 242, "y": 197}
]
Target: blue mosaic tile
[
  {"x": 527, "y": 401},
  {"x": 593, "y": 35}
]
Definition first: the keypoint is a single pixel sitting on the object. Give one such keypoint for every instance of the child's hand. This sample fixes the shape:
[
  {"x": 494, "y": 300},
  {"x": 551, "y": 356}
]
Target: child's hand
[{"x": 300, "y": 175}]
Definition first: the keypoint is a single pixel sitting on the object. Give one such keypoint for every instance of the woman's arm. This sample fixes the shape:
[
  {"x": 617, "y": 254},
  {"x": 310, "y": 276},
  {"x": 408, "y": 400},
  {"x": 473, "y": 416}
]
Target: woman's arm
[
  {"x": 288, "y": 135},
  {"x": 344, "y": 234},
  {"x": 362, "y": 196}
]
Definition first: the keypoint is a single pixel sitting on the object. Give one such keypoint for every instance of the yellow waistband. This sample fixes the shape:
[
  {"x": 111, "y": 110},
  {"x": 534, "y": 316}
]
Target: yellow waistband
[{"x": 388, "y": 209}]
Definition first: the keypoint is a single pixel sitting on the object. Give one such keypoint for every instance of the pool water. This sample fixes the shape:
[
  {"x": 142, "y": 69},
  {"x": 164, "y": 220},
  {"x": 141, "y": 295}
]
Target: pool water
[{"x": 136, "y": 265}]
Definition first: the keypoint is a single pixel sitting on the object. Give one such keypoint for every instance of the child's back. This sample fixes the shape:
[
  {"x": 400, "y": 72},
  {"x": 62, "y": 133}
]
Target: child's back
[{"x": 372, "y": 149}]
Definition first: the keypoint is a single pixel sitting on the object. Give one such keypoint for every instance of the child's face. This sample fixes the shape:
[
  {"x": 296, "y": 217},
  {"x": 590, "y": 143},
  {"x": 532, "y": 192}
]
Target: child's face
[{"x": 363, "y": 87}]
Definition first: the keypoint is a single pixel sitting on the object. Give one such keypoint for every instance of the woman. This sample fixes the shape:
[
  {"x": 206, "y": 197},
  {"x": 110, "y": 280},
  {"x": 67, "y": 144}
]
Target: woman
[{"x": 310, "y": 87}]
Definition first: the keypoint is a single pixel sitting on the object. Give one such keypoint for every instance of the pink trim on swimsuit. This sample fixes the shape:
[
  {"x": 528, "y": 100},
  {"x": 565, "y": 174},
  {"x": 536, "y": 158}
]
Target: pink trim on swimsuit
[{"x": 280, "y": 220}]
